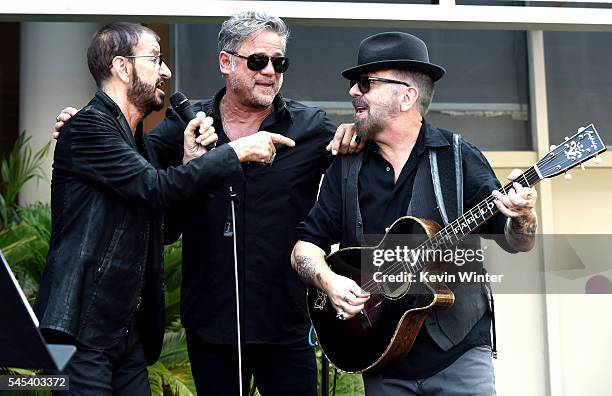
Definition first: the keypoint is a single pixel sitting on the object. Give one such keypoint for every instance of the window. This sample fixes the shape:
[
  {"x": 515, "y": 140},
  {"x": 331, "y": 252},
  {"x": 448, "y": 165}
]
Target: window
[
  {"x": 484, "y": 95},
  {"x": 579, "y": 83}
]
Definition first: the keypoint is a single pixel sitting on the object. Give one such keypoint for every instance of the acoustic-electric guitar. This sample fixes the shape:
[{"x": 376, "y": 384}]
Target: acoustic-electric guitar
[{"x": 386, "y": 328}]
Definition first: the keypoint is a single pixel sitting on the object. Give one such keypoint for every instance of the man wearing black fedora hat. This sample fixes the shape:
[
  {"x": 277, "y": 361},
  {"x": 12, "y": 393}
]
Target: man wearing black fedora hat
[{"x": 409, "y": 167}]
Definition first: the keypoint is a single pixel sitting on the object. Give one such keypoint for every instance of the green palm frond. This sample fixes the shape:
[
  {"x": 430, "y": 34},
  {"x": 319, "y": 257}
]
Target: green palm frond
[
  {"x": 172, "y": 278},
  {"x": 174, "y": 350},
  {"x": 26, "y": 244},
  {"x": 155, "y": 380},
  {"x": 172, "y": 265},
  {"x": 181, "y": 383},
  {"x": 173, "y": 305},
  {"x": 15, "y": 237},
  {"x": 174, "y": 326},
  {"x": 38, "y": 218},
  {"x": 21, "y": 166},
  {"x": 171, "y": 375},
  {"x": 18, "y": 371},
  {"x": 170, "y": 382},
  {"x": 22, "y": 256}
]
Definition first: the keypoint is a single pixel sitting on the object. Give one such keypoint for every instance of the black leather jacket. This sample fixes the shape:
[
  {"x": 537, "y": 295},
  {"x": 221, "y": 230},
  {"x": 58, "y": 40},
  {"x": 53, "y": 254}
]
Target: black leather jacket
[{"x": 104, "y": 267}]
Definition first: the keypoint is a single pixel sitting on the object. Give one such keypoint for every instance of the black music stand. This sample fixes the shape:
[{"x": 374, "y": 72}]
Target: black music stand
[{"x": 21, "y": 344}]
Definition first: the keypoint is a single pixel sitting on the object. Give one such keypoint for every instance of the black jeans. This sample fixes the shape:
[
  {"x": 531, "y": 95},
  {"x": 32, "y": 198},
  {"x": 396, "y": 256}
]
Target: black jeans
[
  {"x": 278, "y": 370},
  {"x": 119, "y": 370}
]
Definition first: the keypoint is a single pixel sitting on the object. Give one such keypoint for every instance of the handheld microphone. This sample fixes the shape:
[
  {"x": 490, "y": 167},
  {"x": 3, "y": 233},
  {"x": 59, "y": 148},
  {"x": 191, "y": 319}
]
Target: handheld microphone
[{"x": 182, "y": 106}]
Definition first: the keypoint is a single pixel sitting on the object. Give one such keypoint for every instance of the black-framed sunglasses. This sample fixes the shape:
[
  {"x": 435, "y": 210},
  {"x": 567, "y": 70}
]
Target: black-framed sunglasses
[
  {"x": 363, "y": 82},
  {"x": 257, "y": 62},
  {"x": 159, "y": 59}
]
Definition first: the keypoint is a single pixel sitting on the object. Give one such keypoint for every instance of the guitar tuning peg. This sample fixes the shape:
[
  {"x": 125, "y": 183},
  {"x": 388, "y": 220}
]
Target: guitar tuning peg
[
  {"x": 568, "y": 176},
  {"x": 597, "y": 160},
  {"x": 582, "y": 166},
  {"x": 581, "y": 129},
  {"x": 552, "y": 147},
  {"x": 566, "y": 138}
]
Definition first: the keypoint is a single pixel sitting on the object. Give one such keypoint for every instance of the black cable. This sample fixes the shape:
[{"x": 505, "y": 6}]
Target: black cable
[{"x": 335, "y": 378}]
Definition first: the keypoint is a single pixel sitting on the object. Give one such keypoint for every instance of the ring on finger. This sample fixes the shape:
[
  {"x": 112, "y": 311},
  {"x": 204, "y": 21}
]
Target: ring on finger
[
  {"x": 356, "y": 139},
  {"x": 269, "y": 162},
  {"x": 57, "y": 118}
]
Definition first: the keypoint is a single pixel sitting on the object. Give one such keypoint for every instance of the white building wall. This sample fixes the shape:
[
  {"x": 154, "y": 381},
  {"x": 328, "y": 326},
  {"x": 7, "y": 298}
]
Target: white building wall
[{"x": 54, "y": 75}]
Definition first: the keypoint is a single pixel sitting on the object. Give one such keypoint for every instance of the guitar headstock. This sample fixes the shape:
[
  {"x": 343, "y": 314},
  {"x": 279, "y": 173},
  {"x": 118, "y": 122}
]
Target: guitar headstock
[{"x": 584, "y": 145}]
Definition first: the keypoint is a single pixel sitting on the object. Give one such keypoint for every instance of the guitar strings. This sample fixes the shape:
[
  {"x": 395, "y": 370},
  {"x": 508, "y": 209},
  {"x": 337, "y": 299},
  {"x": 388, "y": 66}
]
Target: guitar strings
[
  {"x": 417, "y": 266},
  {"x": 436, "y": 239}
]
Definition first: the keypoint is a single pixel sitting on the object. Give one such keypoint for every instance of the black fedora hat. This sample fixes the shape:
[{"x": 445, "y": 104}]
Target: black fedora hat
[{"x": 393, "y": 50}]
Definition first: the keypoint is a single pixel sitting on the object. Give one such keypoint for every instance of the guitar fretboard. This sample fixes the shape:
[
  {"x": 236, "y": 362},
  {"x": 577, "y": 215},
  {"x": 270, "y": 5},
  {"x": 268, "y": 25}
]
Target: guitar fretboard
[{"x": 467, "y": 223}]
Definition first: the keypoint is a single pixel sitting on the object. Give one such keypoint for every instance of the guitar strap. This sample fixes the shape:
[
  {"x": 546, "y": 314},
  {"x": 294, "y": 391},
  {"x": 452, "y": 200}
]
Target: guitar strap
[
  {"x": 458, "y": 172},
  {"x": 351, "y": 165},
  {"x": 442, "y": 162},
  {"x": 446, "y": 166}
]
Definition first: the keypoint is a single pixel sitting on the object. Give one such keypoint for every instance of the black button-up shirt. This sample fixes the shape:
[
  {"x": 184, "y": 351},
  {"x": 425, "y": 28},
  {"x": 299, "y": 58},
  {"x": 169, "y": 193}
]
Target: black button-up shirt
[
  {"x": 273, "y": 200},
  {"x": 382, "y": 200}
]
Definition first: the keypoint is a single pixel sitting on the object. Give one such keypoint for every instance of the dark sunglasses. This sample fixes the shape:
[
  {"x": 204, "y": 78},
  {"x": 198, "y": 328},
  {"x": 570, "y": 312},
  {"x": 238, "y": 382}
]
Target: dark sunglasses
[
  {"x": 363, "y": 82},
  {"x": 257, "y": 62}
]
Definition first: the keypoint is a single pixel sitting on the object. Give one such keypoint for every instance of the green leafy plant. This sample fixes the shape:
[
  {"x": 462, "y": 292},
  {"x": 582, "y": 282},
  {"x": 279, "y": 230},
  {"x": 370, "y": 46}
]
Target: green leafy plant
[
  {"x": 172, "y": 280},
  {"x": 21, "y": 166},
  {"x": 24, "y": 241},
  {"x": 346, "y": 384},
  {"x": 171, "y": 374},
  {"x": 24, "y": 231},
  {"x": 25, "y": 246}
]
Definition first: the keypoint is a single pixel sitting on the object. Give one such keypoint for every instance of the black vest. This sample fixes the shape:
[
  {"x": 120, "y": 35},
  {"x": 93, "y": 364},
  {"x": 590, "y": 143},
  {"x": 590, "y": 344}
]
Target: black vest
[{"x": 439, "y": 179}]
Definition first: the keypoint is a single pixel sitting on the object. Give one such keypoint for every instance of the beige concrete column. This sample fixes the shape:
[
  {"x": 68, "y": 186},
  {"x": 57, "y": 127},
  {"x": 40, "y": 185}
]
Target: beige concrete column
[{"x": 54, "y": 74}]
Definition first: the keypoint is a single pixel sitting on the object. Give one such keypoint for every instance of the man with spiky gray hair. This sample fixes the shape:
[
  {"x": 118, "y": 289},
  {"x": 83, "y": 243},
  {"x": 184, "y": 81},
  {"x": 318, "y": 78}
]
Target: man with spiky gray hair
[{"x": 273, "y": 200}]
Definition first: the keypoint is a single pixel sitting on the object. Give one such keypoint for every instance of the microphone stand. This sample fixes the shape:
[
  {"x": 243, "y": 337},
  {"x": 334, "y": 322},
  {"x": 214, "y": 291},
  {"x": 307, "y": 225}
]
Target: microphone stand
[{"x": 233, "y": 200}]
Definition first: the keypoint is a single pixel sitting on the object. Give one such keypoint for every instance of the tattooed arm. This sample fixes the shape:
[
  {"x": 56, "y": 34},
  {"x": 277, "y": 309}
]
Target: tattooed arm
[
  {"x": 520, "y": 232},
  {"x": 308, "y": 260},
  {"x": 346, "y": 296},
  {"x": 519, "y": 206}
]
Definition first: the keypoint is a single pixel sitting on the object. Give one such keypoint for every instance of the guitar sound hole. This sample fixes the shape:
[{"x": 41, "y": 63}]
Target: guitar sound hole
[{"x": 395, "y": 283}]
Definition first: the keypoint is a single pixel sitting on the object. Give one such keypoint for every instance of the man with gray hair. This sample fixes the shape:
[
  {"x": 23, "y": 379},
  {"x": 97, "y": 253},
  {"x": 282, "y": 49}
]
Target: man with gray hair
[{"x": 271, "y": 202}]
